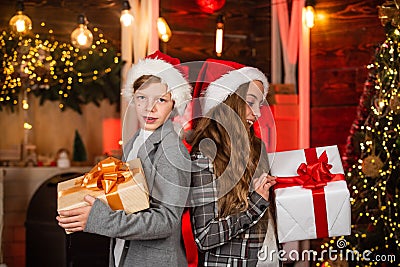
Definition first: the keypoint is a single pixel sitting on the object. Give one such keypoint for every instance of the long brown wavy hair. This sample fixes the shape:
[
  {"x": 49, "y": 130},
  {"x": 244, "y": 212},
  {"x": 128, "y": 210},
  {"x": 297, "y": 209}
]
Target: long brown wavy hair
[{"x": 238, "y": 155}]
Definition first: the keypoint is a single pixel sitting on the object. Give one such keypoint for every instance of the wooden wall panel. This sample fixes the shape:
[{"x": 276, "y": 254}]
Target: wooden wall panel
[
  {"x": 338, "y": 87},
  {"x": 342, "y": 45},
  {"x": 333, "y": 125},
  {"x": 247, "y": 31}
]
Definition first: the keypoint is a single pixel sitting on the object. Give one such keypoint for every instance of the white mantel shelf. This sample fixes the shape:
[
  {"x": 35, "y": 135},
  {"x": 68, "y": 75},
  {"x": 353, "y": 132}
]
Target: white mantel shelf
[{"x": 28, "y": 179}]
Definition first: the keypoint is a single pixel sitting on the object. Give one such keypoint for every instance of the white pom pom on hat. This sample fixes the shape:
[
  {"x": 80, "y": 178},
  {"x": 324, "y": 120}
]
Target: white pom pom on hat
[
  {"x": 226, "y": 83},
  {"x": 169, "y": 70}
]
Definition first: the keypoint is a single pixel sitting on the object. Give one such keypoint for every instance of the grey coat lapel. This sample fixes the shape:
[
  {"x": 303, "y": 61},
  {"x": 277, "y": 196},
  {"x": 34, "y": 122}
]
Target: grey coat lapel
[{"x": 149, "y": 153}]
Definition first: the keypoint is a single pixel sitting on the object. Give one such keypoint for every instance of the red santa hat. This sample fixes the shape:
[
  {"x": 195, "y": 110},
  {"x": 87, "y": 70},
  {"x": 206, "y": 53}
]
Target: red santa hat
[
  {"x": 218, "y": 79},
  {"x": 171, "y": 73}
]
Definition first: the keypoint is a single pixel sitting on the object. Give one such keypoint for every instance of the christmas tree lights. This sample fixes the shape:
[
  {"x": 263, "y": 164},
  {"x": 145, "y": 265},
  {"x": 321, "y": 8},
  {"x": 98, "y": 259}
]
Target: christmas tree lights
[{"x": 373, "y": 156}]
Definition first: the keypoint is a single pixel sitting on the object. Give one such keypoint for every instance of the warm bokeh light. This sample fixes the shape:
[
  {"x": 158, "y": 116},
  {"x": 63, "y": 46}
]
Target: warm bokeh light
[
  {"x": 81, "y": 37},
  {"x": 219, "y": 35},
  {"x": 309, "y": 16},
  {"x": 20, "y": 23},
  {"x": 164, "y": 32},
  {"x": 25, "y": 104},
  {"x": 126, "y": 18},
  {"x": 27, "y": 126}
]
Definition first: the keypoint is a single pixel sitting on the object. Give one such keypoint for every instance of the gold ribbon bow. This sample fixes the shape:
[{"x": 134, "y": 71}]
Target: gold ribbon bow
[{"x": 106, "y": 175}]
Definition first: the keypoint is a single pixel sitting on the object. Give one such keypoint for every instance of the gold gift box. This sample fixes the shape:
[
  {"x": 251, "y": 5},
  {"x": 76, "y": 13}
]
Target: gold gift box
[{"x": 128, "y": 190}]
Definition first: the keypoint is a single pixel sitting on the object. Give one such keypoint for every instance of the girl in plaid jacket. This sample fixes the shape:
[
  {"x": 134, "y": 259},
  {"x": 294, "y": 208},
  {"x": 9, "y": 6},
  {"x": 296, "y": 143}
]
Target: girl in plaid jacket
[{"x": 232, "y": 213}]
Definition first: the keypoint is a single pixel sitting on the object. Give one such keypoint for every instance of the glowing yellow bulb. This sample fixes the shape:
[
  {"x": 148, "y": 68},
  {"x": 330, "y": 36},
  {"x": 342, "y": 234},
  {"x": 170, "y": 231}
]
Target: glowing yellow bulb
[
  {"x": 25, "y": 104},
  {"x": 126, "y": 18},
  {"x": 27, "y": 126},
  {"x": 309, "y": 16},
  {"x": 21, "y": 25},
  {"x": 82, "y": 39},
  {"x": 164, "y": 32}
]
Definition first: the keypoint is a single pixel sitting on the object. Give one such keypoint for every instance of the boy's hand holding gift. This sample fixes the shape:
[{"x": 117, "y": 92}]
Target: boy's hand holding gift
[
  {"x": 312, "y": 197},
  {"x": 121, "y": 185}
]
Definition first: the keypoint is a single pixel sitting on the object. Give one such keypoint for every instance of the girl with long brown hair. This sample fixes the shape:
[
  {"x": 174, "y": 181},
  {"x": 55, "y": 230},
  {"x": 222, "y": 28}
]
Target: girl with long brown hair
[{"x": 232, "y": 214}]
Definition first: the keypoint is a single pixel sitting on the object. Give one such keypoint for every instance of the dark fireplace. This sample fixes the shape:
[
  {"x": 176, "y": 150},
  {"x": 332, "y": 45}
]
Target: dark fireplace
[{"x": 48, "y": 245}]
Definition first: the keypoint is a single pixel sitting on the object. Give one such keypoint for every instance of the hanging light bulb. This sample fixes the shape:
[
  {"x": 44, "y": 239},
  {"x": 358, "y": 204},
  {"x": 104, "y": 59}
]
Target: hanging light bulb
[
  {"x": 164, "y": 32},
  {"x": 309, "y": 13},
  {"x": 219, "y": 35},
  {"x": 20, "y": 23},
  {"x": 126, "y": 17},
  {"x": 82, "y": 37}
]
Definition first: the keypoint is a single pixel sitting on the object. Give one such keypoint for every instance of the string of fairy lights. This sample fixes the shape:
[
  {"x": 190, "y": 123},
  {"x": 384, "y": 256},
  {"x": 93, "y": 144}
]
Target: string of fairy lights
[{"x": 37, "y": 63}]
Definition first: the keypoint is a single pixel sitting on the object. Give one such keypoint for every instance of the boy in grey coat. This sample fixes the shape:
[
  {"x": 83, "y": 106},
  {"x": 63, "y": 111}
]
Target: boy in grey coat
[{"x": 153, "y": 236}]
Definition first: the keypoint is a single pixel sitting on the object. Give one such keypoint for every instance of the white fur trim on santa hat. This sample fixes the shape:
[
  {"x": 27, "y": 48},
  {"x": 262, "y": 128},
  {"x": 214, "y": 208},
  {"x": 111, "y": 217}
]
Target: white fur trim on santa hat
[
  {"x": 219, "y": 90},
  {"x": 169, "y": 75}
]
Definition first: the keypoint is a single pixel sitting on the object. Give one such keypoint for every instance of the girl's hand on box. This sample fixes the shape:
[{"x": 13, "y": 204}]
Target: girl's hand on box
[
  {"x": 75, "y": 220},
  {"x": 263, "y": 184}
]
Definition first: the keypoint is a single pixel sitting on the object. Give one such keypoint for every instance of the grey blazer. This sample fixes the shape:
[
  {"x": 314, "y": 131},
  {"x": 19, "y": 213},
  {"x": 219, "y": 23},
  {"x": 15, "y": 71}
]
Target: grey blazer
[{"x": 154, "y": 235}]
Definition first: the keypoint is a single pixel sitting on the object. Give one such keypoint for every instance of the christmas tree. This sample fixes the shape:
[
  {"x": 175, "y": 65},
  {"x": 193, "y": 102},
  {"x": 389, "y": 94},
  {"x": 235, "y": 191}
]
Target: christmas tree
[
  {"x": 79, "y": 151},
  {"x": 372, "y": 159}
]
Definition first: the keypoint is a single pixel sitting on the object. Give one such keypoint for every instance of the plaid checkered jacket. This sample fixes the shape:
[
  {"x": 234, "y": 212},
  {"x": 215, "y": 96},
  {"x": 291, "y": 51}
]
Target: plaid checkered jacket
[{"x": 227, "y": 241}]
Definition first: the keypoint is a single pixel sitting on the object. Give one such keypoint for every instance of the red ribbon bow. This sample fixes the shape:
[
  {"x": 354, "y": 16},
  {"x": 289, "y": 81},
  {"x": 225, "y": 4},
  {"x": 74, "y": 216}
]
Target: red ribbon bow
[
  {"x": 311, "y": 175},
  {"x": 315, "y": 175}
]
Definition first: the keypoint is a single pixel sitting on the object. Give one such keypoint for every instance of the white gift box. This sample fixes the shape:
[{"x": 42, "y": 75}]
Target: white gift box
[{"x": 304, "y": 212}]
